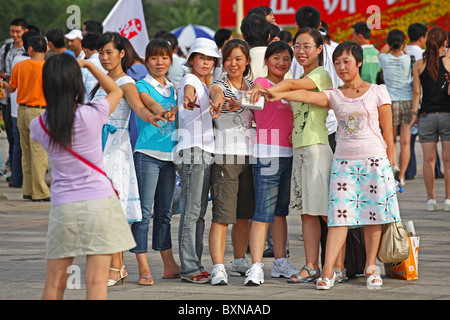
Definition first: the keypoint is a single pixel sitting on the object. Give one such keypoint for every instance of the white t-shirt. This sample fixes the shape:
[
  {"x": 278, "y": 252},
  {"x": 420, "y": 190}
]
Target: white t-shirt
[
  {"x": 415, "y": 51},
  {"x": 14, "y": 104},
  {"x": 195, "y": 127}
]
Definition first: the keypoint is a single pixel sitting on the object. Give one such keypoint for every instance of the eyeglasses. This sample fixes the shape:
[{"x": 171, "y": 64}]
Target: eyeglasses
[
  {"x": 304, "y": 48},
  {"x": 206, "y": 58}
]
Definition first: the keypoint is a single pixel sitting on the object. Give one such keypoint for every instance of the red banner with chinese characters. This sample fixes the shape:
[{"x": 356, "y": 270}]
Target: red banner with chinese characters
[{"x": 341, "y": 15}]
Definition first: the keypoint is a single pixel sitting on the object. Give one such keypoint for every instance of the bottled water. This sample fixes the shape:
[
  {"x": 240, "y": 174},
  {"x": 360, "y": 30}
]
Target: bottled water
[
  {"x": 414, "y": 129},
  {"x": 398, "y": 187}
]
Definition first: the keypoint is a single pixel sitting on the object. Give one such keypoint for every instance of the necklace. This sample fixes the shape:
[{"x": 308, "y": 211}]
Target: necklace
[
  {"x": 238, "y": 89},
  {"x": 356, "y": 88},
  {"x": 115, "y": 77}
]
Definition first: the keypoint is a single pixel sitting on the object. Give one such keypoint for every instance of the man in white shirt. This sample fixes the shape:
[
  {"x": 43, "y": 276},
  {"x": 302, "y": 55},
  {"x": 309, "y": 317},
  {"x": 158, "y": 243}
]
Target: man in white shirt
[
  {"x": 74, "y": 38},
  {"x": 89, "y": 45},
  {"x": 417, "y": 34},
  {"x": 177, "y": 70}
]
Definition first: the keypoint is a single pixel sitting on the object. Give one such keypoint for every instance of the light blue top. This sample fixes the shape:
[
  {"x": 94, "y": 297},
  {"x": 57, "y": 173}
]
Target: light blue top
[
  {"x": 154, "y": 141},
  {"x": 397, "y": 76}
]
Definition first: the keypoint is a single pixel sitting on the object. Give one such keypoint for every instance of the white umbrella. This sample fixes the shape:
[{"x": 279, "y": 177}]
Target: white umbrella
[{"x": 186, "y": 35}]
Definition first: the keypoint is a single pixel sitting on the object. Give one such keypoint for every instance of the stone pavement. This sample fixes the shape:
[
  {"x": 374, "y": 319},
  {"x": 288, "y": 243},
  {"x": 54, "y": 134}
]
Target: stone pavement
[{"x": 23, "y": 227}]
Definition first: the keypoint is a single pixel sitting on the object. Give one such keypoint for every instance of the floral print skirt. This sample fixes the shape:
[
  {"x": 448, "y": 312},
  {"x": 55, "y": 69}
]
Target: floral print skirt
[{"x": 362, "y": 192}]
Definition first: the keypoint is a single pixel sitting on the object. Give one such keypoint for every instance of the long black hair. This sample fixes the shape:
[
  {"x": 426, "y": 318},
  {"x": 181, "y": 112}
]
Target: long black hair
[
  {"x": 63, "y": 90},
  {"x": 119, "y": 43}
]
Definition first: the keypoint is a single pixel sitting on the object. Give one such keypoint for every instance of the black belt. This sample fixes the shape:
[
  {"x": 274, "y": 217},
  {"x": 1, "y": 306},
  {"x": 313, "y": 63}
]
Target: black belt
[{"x": 38, "y": 107}]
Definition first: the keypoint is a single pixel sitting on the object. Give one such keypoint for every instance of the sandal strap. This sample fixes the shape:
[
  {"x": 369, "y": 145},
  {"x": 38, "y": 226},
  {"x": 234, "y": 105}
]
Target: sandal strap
[
  {"x": 311, "y": 272},
  {"x": 120, "y": 271},
  {"x": 200, "y": 276}
]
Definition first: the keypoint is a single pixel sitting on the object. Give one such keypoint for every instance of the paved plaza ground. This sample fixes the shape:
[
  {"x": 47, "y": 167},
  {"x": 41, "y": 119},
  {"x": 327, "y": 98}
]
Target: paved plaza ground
[{"x": 23, "y": 227}]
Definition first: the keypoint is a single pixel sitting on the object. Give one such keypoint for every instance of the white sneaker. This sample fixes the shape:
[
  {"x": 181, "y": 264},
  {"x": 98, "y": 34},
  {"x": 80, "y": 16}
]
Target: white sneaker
[
  {"x": 284, "y": 269},
  {"x": 255, "y": 275},
  {"x": 219, "y": 275},
  {"x": 431, "y": 205},
  {"x": 447, "y": 205},
  {"x": 239, "y": 267}
]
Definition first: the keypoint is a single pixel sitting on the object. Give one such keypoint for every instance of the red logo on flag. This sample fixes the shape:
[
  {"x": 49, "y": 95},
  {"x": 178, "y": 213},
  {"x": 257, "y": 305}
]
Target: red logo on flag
[{"x": 131, "y": 29}]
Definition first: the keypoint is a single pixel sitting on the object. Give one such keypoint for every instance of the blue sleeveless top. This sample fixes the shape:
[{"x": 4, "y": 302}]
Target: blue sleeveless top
[{"x": 151, "y": 137}]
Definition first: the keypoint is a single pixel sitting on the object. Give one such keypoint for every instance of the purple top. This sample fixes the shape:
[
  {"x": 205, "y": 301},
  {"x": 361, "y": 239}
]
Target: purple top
[{"x": 74, "y": 180}]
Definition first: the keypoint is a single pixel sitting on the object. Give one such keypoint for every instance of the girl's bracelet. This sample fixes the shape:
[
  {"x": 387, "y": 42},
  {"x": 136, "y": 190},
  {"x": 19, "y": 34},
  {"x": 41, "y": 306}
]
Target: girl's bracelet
[{"x": 149, "y": 116}]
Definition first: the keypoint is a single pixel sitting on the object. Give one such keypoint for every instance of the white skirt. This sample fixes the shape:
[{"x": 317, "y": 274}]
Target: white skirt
[{"x": 310, "y": 182}]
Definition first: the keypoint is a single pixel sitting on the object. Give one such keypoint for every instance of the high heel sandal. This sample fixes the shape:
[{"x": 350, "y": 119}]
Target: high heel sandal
[{"x": 112, "y": 282}]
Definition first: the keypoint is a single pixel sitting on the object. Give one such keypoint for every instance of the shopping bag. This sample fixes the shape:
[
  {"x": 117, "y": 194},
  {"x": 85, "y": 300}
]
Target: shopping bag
[{"x": 408, "y": 268}]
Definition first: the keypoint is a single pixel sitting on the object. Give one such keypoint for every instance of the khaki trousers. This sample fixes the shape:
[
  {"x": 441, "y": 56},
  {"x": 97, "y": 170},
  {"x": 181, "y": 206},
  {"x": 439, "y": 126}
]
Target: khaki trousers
[{"x": 34, "y": 157}]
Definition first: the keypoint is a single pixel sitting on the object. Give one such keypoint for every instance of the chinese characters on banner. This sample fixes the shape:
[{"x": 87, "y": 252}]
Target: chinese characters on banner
[
  {"x": 284, "y": 10},
  {"x": 341, "y": 15}
]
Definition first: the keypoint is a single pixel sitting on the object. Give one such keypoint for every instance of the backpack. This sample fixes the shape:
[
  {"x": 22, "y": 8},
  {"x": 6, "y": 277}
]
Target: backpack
[{"x": 7, "y": 48}]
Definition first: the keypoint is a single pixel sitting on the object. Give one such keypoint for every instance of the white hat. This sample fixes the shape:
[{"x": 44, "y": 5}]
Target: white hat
[
  {"x": 74, "y": 34},
  {"x": 207, "y": 47}
]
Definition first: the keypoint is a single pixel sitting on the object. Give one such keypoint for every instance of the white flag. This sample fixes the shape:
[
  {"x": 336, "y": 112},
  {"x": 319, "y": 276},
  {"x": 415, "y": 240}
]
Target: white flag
[{"x": 127, "y": 18}]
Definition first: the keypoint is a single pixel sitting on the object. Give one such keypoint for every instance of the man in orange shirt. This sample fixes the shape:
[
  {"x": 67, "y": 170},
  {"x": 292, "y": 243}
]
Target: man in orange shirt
[{"x": 26, "y": 78}]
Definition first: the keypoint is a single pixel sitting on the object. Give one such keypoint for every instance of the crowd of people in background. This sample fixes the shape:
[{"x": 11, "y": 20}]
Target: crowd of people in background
[{"x": 121, "y": 130}]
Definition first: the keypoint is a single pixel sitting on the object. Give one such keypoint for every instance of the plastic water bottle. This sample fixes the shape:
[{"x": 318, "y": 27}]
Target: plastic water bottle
[
  {"x": 398, "y": 187},
  {"x": 414, "y": 129}
]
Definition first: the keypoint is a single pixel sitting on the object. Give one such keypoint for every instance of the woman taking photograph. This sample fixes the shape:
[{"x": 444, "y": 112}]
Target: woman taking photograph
[{"x": 85, "y": 215}]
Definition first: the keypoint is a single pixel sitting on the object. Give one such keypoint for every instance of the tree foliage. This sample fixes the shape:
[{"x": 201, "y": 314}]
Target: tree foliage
[
  {"x": 180, "y": 13},
  {"x": 46, "y": 14}
]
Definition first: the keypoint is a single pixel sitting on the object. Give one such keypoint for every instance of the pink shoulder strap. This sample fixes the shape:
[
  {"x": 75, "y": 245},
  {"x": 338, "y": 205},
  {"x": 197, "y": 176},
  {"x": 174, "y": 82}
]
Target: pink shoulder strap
[{"x": 76, "y": 155}]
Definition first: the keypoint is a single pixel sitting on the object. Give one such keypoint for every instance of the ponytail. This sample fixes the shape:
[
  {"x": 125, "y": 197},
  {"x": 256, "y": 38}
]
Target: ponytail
[{"x": 435, "y": 40}]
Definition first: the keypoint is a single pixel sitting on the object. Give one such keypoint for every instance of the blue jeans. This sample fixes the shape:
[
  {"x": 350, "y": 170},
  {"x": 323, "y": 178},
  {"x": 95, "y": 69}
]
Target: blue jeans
[
  {"x": 16, "y": 158},
  {"x": 156, "y": 181},
  {"x": 272, "y": 179},
  {"x": 194, "y": 176}
]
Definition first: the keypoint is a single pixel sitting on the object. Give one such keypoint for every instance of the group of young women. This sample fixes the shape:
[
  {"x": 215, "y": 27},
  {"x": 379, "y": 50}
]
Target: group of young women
[{"x": 202, "y": 131}]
